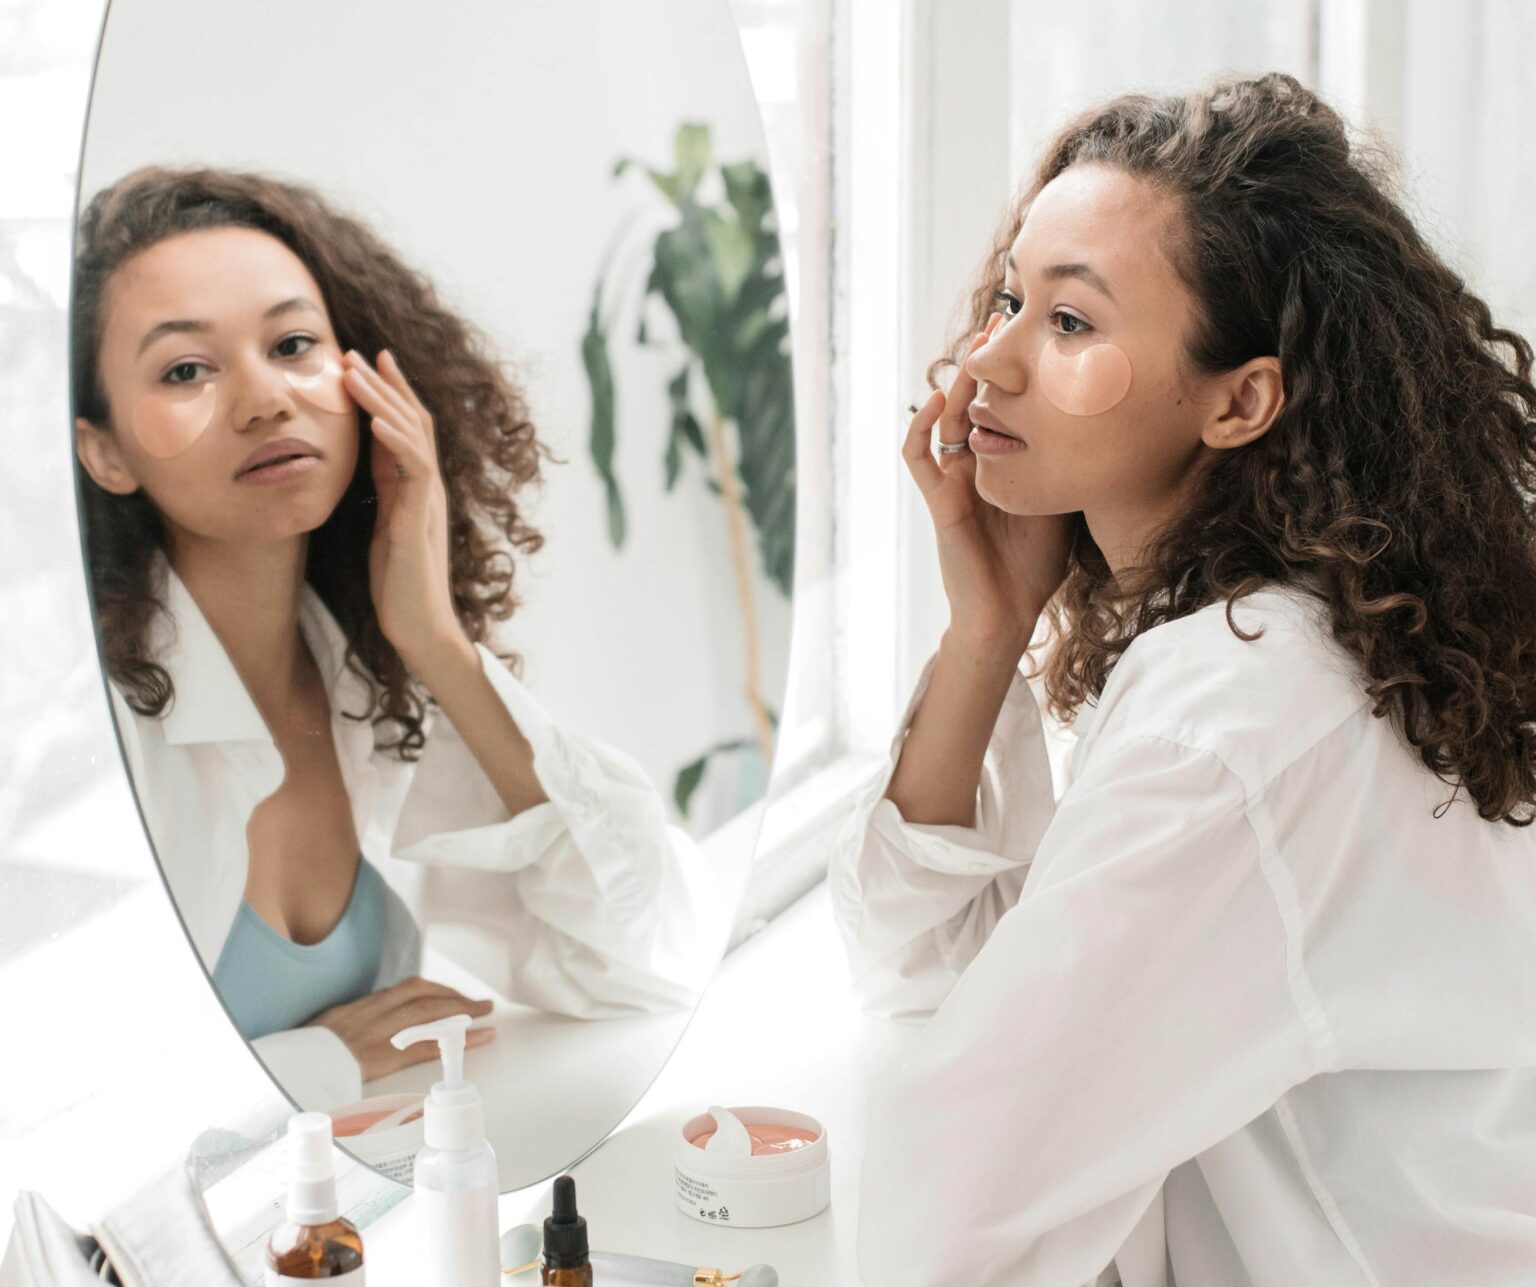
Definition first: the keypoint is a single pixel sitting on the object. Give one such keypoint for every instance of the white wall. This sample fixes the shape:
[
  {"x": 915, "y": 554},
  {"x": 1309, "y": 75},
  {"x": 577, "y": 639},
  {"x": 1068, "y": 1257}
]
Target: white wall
[{"x": 480, "y": 141}]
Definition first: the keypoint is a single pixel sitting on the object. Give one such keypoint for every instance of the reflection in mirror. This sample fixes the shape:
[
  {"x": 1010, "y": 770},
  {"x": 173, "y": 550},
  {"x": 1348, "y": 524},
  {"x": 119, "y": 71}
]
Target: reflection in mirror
[{"x": 440, "y": 565}]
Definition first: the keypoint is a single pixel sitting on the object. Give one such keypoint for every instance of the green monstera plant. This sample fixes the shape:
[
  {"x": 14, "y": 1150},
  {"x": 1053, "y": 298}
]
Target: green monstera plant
[{"x": 716, "y": 268}]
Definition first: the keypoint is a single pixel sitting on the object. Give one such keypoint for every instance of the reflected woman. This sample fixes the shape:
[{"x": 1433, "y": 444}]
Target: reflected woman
[
  {"x": 301, "y": 479},
  {"x": 1251, "y": 996}
]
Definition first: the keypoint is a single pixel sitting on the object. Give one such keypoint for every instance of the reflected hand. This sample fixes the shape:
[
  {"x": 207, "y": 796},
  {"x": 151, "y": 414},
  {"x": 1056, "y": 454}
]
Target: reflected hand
[
  {"x": 999, "y": 569},
  {"x": 367, "y": 1024},
  {"x": 408, "y": 565}
]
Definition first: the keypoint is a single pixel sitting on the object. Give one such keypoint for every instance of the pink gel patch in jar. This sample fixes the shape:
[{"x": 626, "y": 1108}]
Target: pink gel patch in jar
[
  {"x": 1086, "y": 381},
  {"x": 315, "y": 375},
  {"x": 767, "y": 1139},
  {"x": 171, "y": 418}
]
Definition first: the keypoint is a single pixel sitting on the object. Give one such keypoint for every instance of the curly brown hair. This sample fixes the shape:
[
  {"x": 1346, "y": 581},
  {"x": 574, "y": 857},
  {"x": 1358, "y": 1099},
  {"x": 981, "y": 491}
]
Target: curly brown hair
[
  {"x": 1395, "y": 484},
  {"x": 487, "y": 447}
]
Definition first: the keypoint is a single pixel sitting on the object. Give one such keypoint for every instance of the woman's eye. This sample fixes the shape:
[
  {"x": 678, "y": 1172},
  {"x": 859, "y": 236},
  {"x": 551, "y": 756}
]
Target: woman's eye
[
  {"x": 306, "y": 340},
  {"x": 190, "y": 367},
  {"x": 1078, "y": 325},
  {"x": 1011, "y": 303}
]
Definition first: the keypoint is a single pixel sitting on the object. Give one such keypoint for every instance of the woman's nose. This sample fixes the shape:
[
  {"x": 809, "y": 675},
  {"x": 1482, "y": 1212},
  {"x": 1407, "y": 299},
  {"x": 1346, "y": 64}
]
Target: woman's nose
[
  {"x": 997, "y": 362},
  {"x": 260, "y": 392}
]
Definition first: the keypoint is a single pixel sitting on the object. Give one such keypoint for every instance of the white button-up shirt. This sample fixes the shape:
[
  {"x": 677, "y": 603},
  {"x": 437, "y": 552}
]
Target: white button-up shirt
[
  {"x": 1237, "y": 1009},
  {"x": 589, "y": 904}
]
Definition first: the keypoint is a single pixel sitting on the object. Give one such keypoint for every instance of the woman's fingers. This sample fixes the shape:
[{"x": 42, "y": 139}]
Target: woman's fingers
[
  {"x": 432, "y": 1008},
  {"x": 955, "y": 423},
  {"x": 375, "y": 393},
  {"x": 478, "y": 1037},
  {"x": 407, "y": 447},
  {"x": 417, "y": 986},
  {"x": 917, "y": 449},
  {"x": 389, "y": 368}
]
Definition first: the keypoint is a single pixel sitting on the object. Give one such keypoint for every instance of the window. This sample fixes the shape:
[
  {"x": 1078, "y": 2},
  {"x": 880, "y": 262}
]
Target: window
[{"x": 912, "y": 126}]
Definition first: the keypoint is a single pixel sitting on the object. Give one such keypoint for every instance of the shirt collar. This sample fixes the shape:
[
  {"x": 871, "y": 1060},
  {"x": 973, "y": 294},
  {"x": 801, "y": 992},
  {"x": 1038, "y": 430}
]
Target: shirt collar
[{"x": 211, "y": 703}]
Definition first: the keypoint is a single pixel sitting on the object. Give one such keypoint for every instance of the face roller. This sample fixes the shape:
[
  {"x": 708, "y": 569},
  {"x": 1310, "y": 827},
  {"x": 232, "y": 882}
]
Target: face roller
[{"x": 520, "y": 1263}]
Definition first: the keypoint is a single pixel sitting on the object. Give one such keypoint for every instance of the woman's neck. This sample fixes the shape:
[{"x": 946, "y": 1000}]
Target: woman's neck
[{"x": 250, "y": 596}]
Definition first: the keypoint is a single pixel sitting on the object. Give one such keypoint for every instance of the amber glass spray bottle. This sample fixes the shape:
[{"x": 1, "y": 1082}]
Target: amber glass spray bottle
[{"x": 314, "y": 1241}]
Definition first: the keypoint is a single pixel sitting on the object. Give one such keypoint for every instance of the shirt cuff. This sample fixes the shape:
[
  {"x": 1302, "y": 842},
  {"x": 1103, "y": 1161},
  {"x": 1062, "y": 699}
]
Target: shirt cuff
[{"x": 1014, "y": 797}]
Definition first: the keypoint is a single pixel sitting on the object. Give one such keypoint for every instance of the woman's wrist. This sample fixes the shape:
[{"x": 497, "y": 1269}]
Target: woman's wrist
[
  {"x": 449, "y": 652},
  {"x": 988, "y": 651}
]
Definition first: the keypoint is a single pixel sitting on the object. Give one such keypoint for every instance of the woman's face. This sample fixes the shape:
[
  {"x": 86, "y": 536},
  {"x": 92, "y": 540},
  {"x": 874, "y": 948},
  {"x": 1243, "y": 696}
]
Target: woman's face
[
  {"x": 215, "y": 348},
  {"x": 1083, "y": 383}
]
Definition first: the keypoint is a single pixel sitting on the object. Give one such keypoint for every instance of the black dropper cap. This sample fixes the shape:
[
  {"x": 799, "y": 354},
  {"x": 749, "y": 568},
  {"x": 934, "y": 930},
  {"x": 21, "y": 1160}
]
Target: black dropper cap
[{"x": 565, "y": 1232}]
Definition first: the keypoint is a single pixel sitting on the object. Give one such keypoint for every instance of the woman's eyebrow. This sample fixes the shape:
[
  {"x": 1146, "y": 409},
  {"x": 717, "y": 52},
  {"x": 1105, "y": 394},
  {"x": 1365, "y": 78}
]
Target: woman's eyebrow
[
  {"x": 1080, "y": 271},
  {"x": 183, "y": 325}
]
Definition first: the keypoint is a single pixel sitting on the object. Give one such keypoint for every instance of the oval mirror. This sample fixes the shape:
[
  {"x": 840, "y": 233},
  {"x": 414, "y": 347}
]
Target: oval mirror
[{"x": 435, "y": 445}]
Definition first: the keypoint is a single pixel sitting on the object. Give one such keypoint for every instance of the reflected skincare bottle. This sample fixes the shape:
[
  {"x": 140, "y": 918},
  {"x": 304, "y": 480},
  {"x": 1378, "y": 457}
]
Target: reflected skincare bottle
[
  {"x": 566, "y": 1260},
  {"x": 314, "y": 1241}
]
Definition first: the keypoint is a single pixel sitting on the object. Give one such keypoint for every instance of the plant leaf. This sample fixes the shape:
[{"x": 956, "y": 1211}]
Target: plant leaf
[
  {"x": 690, "y": 150},
  {"x": 687, "y": 782},
  {"x": 599, "y": 368}
]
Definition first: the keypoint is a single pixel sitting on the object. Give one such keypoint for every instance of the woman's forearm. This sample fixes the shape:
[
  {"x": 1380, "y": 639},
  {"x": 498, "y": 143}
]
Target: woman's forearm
[
  {"x": 456, "y": 680},
  {"x": 939, "y": 770}
]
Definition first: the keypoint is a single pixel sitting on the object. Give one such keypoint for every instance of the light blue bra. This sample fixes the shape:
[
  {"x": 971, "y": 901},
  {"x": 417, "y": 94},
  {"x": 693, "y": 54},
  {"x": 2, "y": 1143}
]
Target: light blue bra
[{"x": 270, "y": 983}]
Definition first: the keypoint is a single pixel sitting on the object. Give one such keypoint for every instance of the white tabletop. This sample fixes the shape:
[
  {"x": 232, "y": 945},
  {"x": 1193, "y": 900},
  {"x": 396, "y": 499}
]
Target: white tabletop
[{"x": 776, "y": 1027}]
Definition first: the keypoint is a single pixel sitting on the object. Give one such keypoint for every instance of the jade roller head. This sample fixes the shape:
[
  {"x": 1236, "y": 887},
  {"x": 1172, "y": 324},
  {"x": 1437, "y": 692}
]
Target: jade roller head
[{"x": 520, "y": 1264}]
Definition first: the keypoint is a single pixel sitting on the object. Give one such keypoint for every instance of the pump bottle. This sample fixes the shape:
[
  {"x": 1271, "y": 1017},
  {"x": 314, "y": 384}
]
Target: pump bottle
[
  {"x": 455, "y": 1173},
  {"x": 314, "y": 1242}
]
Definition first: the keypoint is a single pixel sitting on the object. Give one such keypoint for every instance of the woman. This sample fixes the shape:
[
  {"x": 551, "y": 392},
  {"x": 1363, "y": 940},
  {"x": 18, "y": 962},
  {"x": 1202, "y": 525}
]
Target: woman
[
  {"x": 1251, "y": 1002},
  {"x": 296, "y": 555}
]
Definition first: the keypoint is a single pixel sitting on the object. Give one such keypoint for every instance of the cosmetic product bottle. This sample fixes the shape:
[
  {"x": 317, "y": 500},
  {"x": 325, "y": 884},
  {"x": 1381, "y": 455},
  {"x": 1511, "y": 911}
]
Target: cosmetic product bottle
[
  {"x": 314, "y": 1241},
  {"x": 566, "y": 1260},
  {"x": 454, "y": 1172}
]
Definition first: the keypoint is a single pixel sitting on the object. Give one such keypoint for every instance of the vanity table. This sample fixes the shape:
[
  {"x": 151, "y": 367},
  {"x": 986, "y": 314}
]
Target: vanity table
[
  {"x": 776, "y": 1027},
  {"x": 545, "y": 1079}
]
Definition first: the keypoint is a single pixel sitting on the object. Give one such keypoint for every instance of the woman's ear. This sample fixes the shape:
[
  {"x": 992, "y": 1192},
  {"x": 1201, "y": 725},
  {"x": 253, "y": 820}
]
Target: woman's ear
[
  {"x": 1250, "y": 399},
  {"x": 103, "y": 458}
]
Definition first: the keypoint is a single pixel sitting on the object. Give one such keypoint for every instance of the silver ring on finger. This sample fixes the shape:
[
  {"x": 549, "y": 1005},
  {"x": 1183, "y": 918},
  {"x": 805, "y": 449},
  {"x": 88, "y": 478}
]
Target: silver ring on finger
[{"x": 950, "y": 448}]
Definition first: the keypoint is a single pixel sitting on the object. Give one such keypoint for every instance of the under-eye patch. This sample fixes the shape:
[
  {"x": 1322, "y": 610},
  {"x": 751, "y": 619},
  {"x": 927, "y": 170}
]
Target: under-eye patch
[
  {"x": 171, "y": 418},
  {"x": 316, "y": 376},
  {"x": 1087, "y": 380}
]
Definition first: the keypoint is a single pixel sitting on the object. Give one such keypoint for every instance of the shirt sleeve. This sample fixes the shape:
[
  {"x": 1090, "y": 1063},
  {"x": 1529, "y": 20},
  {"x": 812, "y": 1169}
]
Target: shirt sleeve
[
  {"x": 591, "y": 904},
  {"x": 914, "y": 903},
  {"x": 1134, "y": 1008}
]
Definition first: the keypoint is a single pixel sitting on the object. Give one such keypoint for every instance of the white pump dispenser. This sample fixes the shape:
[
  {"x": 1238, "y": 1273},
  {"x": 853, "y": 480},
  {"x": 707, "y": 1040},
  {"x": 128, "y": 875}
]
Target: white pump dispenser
[{"x": 455, "y": 1173}]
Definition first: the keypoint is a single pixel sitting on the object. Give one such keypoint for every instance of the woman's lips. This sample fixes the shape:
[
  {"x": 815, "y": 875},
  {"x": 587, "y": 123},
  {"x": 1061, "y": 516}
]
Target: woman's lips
[
  {"x": 984, "y": 418},
  {"x": 280, "y": 471},
  {"x": 276, "y": 450},
  {"x": 988, "y": 442}
]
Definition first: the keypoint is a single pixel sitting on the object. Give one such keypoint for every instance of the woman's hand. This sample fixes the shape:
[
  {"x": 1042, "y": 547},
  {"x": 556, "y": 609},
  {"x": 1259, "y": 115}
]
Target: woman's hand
[
  {"x": 408, "y": 568},
  {"x": 367, "y": 1024},
  {"x": 999, "y": 569}
]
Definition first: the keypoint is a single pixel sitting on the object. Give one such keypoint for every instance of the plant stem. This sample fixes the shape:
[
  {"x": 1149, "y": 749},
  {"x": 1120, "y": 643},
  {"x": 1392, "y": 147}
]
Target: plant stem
[{"x": 741, "y": 562}]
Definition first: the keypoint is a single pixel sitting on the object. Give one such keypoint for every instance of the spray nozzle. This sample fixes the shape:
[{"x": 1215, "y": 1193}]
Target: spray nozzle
[
  {"x": 309, "y": 1146},
  {"x": 449, "y": 1035},
  {"x": 311, "y": 1174}
]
